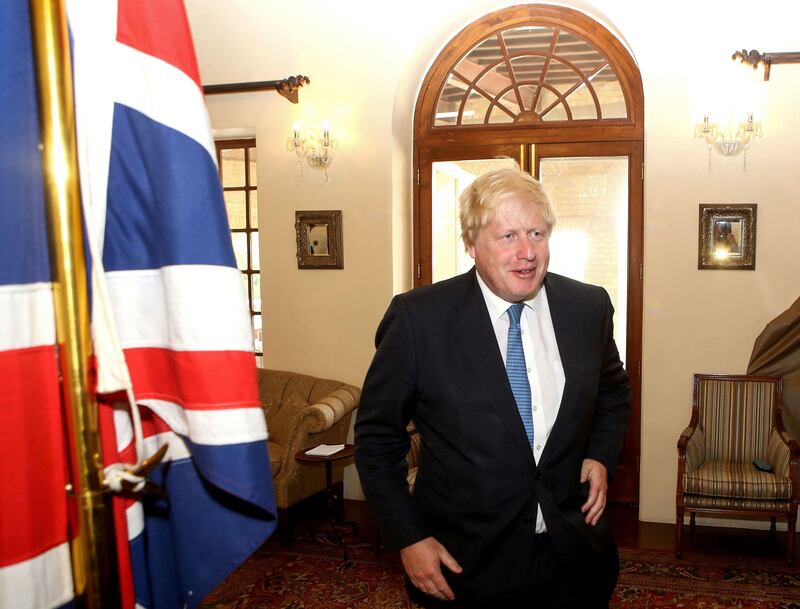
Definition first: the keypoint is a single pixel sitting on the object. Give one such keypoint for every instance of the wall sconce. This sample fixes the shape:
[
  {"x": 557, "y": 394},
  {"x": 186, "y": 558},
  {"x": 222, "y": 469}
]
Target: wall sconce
[
  {"x": 316, "y": 148},
  {"x": 728, "y": 142}
]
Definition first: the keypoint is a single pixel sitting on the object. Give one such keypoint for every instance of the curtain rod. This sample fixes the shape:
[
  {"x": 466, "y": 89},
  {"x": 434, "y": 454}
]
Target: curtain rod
[{"x": 287, "y": 87}]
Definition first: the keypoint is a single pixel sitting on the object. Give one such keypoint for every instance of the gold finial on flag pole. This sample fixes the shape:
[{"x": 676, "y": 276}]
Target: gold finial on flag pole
[{"x": 94, "y": 561}]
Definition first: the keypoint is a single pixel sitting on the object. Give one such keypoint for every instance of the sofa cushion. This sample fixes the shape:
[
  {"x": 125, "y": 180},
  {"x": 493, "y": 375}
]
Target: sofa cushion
[
  {"x": 737, "y": 481},
  {"x": 729, "y": 503},
  {"x": 276, "y": 452}
]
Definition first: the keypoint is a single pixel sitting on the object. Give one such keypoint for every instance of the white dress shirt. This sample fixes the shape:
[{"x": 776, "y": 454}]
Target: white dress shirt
[{"x": 542, "y": 359}]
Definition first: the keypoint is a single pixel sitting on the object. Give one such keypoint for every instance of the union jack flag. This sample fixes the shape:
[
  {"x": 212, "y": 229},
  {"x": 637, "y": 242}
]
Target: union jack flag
[{"x": 169, "y": 318}]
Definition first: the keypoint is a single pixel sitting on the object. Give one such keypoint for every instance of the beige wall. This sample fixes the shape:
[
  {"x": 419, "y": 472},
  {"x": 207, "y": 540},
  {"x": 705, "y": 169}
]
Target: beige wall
[
  {"x": 707, "y": 321},
  {"x": 366, "y": 66}
]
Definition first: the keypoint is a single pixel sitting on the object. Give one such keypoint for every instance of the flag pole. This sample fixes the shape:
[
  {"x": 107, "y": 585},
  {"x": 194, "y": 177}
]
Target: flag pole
[{"x": 94, "y": 562}]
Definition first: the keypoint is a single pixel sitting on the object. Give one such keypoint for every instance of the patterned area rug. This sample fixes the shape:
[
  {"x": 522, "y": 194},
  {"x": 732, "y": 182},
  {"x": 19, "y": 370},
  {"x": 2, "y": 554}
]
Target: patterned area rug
[
  {"x": 313, "y": 574},
  {"x": 657, "y": 579}
]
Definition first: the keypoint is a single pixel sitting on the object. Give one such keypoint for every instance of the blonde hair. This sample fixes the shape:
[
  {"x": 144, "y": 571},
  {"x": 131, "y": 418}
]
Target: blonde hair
[{"x": 484, "y": 198}]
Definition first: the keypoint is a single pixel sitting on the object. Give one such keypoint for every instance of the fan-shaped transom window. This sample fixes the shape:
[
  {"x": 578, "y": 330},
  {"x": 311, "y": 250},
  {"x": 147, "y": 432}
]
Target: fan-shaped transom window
[{"x": 530, "y": 74}]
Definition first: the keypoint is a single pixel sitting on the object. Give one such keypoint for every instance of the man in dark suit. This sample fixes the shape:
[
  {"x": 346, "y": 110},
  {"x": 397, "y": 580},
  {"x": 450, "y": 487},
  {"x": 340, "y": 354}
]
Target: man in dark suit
[{"x": 513, "y": 379}]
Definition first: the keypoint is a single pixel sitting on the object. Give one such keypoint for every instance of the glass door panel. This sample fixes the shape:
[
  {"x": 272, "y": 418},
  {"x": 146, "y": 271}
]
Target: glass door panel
[
  {"x": 596, "y": 190},
  {"x": 449, "y": 179},
  {"x": 590, "y": 241}
]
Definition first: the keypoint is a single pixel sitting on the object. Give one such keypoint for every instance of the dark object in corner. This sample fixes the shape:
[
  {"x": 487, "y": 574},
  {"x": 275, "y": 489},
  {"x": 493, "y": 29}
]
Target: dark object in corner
[{"x": 762, "y": 465}]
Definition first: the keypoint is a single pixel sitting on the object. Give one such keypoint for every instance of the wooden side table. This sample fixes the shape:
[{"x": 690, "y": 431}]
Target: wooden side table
[{"x": 333, "y": 498}]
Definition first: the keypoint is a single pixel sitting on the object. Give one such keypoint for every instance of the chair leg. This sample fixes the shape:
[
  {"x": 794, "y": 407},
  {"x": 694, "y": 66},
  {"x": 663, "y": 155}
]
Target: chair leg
[
  {"x": 790, "y": 530},
  {"x": 679, "y": 533},
  {"x": 691, "y": 521},
  {"x": 772, "y": 527}
]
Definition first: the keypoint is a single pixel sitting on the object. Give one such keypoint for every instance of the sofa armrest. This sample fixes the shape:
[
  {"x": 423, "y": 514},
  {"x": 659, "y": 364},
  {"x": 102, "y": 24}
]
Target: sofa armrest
[
  {"x": 692, "y": 446},
  {"x": 782, "y": 449},
  {"x": 412, "y": 458},
  {"x": 316, "y": 418},
  {"x": 415, "y": 444}
]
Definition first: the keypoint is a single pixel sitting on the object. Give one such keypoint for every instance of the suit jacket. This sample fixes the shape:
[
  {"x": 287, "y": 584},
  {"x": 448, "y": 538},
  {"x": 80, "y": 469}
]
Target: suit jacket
[{"x": 478, "y": 485}]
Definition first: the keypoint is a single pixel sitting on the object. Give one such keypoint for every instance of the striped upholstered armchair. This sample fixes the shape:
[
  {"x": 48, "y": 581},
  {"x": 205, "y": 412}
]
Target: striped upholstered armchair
[{"x": 736, "y": 457}]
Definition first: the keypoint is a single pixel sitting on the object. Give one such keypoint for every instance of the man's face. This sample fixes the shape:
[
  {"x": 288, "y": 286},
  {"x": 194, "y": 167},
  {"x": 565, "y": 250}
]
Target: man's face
[{"x": 512, "y": 251}]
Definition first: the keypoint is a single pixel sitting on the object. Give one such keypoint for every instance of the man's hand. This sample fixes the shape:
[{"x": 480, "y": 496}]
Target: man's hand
[
  {"x": 597, "y": 475},
  {"x": 422, "y": 562}
]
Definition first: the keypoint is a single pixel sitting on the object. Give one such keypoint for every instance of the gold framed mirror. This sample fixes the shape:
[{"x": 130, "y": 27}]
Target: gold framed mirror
[{"x": 319, "y": 239}]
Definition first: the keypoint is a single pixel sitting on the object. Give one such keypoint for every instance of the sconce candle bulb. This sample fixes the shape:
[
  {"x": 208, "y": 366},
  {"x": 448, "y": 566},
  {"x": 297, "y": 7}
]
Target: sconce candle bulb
[
  {"x": 316, "y": 149},
  {"x": 733, "y": 141},
  {"x": 296, "y": 131},
  {"x": 326, "y": 133}
]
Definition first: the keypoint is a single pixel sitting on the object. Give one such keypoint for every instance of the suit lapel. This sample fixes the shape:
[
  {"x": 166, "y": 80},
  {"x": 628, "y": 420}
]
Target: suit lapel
[
  {"x": 473, "y": 332},
  {"x": 568, "y": 339}
]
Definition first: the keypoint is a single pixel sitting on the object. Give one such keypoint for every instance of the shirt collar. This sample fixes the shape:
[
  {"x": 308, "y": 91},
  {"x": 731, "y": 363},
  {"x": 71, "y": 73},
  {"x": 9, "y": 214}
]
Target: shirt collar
[{"x": 497, "y": 306}]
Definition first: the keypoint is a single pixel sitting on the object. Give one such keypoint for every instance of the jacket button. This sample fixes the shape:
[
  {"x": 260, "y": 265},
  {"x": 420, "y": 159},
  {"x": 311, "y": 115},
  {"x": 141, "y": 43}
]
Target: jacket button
[{"x": 537, "y": 474}]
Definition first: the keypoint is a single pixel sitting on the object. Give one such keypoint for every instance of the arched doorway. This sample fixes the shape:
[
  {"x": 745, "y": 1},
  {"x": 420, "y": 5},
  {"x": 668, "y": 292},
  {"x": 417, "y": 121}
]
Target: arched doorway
[{"x": 553, "y": 90}]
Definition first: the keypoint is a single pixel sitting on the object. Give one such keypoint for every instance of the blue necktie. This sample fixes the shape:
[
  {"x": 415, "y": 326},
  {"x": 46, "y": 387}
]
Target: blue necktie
[{"x": 517, "y": 370}]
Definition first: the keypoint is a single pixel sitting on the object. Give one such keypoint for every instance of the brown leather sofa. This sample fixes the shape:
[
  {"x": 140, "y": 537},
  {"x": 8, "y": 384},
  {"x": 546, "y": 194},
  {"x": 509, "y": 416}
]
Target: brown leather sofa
[{"x": 302, "y": 411}]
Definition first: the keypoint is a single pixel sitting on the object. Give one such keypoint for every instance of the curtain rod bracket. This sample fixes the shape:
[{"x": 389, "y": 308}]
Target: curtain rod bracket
[{"x": 753, "y": 58}]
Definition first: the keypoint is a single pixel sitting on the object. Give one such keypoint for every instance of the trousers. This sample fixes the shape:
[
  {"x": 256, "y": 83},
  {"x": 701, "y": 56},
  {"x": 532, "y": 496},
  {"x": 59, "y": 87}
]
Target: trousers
[{"x": 551, "y": 586}]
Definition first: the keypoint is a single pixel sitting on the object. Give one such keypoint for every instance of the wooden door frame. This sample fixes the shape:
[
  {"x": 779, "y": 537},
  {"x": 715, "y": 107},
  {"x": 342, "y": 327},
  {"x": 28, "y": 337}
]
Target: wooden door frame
[
  {"x": 627, "y": 488},
  {"x": 442, "y": 143}
]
